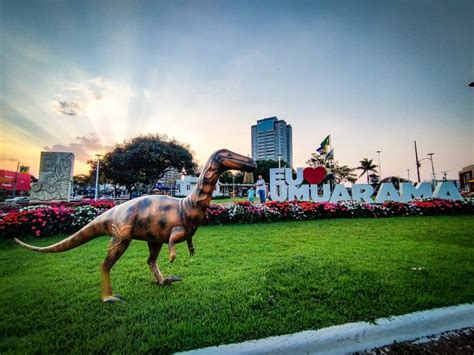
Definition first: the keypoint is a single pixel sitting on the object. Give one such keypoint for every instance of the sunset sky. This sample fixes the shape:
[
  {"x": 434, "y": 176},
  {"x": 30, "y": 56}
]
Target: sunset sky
[{"x": 81, "y": 76}]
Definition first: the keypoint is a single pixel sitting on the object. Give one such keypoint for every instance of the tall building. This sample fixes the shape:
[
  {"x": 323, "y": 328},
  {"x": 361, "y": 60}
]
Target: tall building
[{"x": 271, "y": 138}]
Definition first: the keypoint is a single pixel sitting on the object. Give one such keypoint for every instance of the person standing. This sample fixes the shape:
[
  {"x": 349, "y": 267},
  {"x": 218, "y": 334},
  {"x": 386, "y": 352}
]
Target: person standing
[
  {"x": 261, "y": 188},
  {"x": 251, "y": 195}
]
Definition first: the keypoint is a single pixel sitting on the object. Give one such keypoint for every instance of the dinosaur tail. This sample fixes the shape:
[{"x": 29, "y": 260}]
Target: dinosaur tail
[{"x": 90, "y": 231}]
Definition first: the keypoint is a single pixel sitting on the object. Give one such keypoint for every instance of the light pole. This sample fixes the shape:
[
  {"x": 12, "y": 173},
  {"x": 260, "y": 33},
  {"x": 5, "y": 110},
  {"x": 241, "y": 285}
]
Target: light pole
[
  {"x": 279, "y": 161},
  {"x": 432, "y": 168},
  {"x": 408, "y": 170},
  {"x": 97, "y": 176},
  {"x": 380, "y": 165}
]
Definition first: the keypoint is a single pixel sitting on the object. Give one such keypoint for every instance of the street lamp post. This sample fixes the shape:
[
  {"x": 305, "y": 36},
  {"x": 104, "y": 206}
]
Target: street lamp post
[
  {"x": 380, "y": 165},
  {"x": 97, "y": 176},
  {"x": 408, "y": 170},
  {"x": 432, "y": 168}
]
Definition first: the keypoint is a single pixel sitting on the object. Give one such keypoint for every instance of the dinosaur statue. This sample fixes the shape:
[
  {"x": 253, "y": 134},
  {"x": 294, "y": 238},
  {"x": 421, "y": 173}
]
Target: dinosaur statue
[{"x": 154, "y": 219}]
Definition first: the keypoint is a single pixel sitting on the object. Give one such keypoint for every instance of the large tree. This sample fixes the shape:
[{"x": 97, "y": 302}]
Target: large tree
[
  {"x": 341, "y": 173},
  {"x": 144, "y": 160},
  {"x": 264, "y": 166},
  {"x": 367, "y": 166},
  {"x": 227, "y": 178}
]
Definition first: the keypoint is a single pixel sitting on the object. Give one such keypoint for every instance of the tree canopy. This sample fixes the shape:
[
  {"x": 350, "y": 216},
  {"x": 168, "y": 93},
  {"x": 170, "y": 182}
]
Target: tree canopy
[
  {"x": 367, "y": 165},
  {"x": 227, "y": 178},
  {"x": 264, "y": 166},
  {"x": 145, "y": 160}
]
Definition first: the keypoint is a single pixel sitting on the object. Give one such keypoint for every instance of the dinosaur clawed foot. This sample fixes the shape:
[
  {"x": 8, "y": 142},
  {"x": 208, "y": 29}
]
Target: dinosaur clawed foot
[
  {"x": 113, "y": 299},
  {"x": 170, "y": 279}
]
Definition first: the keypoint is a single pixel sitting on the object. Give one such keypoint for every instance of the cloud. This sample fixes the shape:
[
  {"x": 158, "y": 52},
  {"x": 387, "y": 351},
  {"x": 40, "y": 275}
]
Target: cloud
[
  {"x": 83, "y": 147},
  {"x": 69, "y": 108},
  {"x": 97, "y": 105},
  {"x": 74, "y": 100}
]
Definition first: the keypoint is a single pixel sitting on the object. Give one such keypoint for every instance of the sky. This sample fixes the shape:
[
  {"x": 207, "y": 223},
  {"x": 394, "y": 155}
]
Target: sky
[{"x": 83, "y": 76}]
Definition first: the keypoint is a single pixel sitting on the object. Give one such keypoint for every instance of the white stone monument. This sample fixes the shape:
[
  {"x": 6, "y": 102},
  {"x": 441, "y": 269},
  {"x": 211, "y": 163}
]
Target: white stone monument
[{"x": 55, "y": 177}]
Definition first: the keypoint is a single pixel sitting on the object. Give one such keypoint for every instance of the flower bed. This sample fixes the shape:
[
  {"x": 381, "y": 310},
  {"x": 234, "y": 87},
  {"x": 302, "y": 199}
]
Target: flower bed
[
  {"x": 68, "y": 217},
  {"x": 44, "y": 220},
  {"x": 244, "y": 212}
]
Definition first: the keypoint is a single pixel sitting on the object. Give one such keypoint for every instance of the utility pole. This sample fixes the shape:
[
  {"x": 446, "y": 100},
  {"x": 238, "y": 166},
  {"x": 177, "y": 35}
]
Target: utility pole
[
  {"x": 417, "y": 164},
  {"x": 432, "y": 168},
  {"x": 97, "y": 176}
]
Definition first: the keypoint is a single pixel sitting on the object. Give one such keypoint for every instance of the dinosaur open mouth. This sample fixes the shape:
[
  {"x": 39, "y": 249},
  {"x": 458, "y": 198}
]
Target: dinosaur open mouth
[{"x": 247, "y": 165}]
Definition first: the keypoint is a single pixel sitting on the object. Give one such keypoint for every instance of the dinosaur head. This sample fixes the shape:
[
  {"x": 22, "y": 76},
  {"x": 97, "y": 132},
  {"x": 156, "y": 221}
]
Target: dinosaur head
[{"x": 232, "y": 161}]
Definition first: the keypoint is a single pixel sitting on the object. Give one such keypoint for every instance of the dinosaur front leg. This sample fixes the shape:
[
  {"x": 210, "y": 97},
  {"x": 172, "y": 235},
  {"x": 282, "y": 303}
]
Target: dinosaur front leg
[
  {"x": 178, "y": 234},
  {"x": 154, "y": 251},
  {"x": 116, "y": 249}
]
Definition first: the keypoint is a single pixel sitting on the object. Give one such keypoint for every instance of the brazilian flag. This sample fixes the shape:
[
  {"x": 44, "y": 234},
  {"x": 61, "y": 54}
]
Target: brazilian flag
[{"x": 326, "y": 141}]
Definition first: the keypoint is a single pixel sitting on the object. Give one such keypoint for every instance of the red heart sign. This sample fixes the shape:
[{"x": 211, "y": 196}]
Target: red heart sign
[{"x": 314, "y": 175}]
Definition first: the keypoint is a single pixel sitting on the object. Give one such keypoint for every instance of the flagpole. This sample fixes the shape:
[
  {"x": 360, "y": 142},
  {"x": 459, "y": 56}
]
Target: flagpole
[{"x": 417, "y": 163}]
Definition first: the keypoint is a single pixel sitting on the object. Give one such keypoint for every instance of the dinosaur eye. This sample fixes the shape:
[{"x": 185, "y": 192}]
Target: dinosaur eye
[{"x": 229, "y": 155}]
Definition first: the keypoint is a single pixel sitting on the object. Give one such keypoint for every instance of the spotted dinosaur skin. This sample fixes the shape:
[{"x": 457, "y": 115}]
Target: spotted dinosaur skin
[{"x": 155, "y": 219}]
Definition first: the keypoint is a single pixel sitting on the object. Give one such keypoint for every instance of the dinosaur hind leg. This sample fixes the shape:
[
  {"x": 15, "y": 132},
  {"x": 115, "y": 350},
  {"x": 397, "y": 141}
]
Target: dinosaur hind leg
[
  {"x": 154, "y": 251},
  {"x": 116, "y": 249}
]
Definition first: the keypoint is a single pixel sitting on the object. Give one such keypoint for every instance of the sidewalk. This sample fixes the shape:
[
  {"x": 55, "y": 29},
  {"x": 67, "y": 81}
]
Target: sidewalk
[{"x": 356, "y": 337}]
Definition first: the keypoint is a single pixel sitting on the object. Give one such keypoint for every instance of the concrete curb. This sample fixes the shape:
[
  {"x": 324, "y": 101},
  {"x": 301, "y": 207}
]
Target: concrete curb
[{"x": 352, "y": 337}]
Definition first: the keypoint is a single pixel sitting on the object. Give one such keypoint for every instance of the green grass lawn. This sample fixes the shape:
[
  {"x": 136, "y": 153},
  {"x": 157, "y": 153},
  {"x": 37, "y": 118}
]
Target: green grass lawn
[{"x": 245, "y": 282}]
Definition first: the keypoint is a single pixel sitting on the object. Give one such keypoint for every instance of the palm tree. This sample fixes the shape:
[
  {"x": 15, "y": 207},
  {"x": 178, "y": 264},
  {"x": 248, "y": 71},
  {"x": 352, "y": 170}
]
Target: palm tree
[{"x": 367, "y": 165}]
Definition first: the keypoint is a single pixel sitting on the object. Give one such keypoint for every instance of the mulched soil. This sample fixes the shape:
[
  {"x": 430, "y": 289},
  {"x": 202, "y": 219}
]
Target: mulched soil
[{"x": 453, "y": 342}]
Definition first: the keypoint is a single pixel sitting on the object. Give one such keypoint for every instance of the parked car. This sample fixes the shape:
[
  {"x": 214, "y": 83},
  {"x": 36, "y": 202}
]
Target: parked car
[{"x": 18, "y": 199}]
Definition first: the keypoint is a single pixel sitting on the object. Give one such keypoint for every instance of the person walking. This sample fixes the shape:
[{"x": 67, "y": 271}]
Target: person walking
[{"x": 261, "y": 188}]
